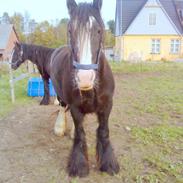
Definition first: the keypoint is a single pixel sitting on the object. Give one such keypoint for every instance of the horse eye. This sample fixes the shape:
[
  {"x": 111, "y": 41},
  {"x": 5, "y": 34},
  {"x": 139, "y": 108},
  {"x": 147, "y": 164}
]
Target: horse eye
[{"x": 99, "y": 31}]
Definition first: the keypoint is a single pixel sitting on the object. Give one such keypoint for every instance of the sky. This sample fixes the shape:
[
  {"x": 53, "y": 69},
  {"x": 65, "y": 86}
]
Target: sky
[{"x": 41, "y": 10}]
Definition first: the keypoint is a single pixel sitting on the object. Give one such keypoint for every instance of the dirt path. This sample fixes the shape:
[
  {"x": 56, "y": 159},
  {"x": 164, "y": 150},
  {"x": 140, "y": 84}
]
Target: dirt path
[{"x": 31, "y": 153}]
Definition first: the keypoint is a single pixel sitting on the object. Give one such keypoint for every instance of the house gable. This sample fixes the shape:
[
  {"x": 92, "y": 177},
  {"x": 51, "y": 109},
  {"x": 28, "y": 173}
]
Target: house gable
[
  {"x": 8, "y": 37},
  {"x": 11, "y": 40},
  {"x": 163, "y": 25}
]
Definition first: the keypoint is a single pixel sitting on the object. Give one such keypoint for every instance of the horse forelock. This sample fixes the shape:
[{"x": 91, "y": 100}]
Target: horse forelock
[
  {"x": 83, "y": 13},
  {"x": 81, "y": 23}
]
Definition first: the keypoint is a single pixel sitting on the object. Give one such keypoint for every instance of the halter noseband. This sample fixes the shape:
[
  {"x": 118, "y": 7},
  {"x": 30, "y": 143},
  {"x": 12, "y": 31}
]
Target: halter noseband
[
  {"x": 85, "y": 67},
  {"x": 88, "y": 66},
  {"x": 17, "y": 61}
]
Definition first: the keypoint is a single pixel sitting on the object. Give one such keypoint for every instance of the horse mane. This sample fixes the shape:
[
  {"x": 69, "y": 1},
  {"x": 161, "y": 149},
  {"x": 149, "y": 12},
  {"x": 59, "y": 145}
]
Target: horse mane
[
  {"x": 36, "y": 53},
  {"x": 32, "y": 50}
]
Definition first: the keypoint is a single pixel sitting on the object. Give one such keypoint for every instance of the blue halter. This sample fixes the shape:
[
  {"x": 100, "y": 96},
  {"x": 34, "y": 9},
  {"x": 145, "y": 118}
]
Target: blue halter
[
  {"x": 89, "y": 66},
  {"x": 85, "y": 67}
]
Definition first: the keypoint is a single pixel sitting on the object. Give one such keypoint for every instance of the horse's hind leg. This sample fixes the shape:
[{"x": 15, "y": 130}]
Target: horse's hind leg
[
  {"x": 105, "y": 155},
  {"x": 46, "y": 97},
  {"x": 61, "y": 123},
  {"x": 78, "y": 160}
]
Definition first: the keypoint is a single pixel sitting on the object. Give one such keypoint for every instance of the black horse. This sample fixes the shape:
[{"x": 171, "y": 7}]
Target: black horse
[
  {"x": 38, "y": 55},
  {"x": 83, "y": 81}
]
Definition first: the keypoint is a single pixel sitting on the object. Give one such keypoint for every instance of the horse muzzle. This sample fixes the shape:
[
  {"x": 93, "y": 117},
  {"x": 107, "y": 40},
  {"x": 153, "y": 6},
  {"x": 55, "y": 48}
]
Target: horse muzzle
[{"x": 85, "y": 79}]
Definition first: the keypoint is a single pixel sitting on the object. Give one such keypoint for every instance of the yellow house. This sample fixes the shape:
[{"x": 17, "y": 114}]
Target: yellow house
[{"x": 149, "y": 30}]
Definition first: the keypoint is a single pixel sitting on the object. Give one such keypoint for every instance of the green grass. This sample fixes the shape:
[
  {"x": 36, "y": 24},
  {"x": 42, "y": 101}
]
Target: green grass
[
  {"x": 160, "y": 134},
  {"x": 152, "y": 93},
  {"x": 161, "y": 147},
  {"x": 165, "y": 101},
  {"x": 21, "y": 97},
  {"x": 167, "y": 96},
  {"x": 164, "y": 166},
  {"x": 149, "y": 100},
  {"x": 156, "y": 90},
  {"x": 150, "y": 178},
  {"x": 125, "y": 67}
]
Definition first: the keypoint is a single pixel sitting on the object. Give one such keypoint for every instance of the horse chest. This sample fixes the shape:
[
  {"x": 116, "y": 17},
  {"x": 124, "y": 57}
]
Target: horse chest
[{"x": 88, "y": 104}]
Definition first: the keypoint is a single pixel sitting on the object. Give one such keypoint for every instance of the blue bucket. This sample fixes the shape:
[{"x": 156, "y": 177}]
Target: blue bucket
[{"x": 35, "y": 88}]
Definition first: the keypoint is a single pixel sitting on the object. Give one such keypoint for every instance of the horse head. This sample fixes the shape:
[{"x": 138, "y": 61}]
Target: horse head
[
  {"x": 86, "y": 32},
  {"x": 17, "y": 56}
]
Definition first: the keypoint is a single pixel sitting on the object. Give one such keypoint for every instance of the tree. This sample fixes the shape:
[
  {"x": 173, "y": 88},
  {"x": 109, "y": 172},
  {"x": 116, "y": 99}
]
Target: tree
[
  {"x": 32, "y": 25},
  {"x": 43, "y": 35},
  {"x": 18, "y": 21},
  {"x": 5, "y": 18},
  {"x": 111, "y": 25},
  {"x": 61, "y": 32},
  {"x": 64, "y": 21},
  {"x": 109, "y": 39}
]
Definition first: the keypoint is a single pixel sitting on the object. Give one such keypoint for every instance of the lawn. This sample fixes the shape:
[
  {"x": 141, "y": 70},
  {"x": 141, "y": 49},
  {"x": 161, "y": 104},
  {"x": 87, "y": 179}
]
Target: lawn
[
  {"x": 21, "y": 97},
  {"x": 146, "y": 128},
  {"x": 151, "y": 109}
]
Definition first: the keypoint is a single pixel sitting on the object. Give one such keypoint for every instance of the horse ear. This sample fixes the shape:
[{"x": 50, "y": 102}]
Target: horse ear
[
  {"x": 71, "y": 5},
  {"x": 17, "y": 44},
  {"x": 97, "y": 4}
]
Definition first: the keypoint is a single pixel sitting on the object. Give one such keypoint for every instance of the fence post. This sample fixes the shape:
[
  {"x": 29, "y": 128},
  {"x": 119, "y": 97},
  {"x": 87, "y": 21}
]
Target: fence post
[
  {"x": 11, "y": 84},
  {"x": 13, "y": 80},
  {"x": 11, "y": 77}
]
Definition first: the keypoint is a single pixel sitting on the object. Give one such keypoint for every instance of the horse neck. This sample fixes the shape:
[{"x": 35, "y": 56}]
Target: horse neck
[
  {"x": 37, "y": 54},
  {"x": 28, "y": 51}
]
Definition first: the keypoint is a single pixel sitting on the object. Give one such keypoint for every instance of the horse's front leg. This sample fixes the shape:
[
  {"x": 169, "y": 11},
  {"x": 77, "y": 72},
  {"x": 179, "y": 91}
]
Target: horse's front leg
[
  {"x": 78, "y": 160},
  {"x": 46, "y": 97},
  {"x": 105, "y": 155}
]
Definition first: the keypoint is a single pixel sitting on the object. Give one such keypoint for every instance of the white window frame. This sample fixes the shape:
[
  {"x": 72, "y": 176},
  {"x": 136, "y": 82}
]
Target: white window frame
[
  {"x": 175, "y": 46},
  {"x": 155, "y": 46},
  {"x": 152, "y": 19}
]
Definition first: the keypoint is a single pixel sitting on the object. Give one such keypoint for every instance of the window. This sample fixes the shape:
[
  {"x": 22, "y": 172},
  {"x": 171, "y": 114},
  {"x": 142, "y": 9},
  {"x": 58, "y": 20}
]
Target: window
[
  {"x": 155, "y": 46},
  {"x": 175, "y": 46},
  {"x": 152, "y": 19}
]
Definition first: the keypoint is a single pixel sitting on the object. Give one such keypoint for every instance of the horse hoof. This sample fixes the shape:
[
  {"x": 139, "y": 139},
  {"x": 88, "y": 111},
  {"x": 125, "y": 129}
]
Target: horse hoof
[
  {"x": 110, "y": 167},
  {"x": 81, "y": 170},
  {"x": 78, "y": 164},
  {"x": 79, "y": 173}
]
